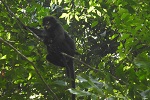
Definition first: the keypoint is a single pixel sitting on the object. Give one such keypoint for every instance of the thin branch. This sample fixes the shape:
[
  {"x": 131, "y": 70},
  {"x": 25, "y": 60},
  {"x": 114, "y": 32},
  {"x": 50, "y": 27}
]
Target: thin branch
[
  {"x": 19, "y": 21},
  {"x": 90, "y": 66},
  {"x": 24, "y": 55},
  {"x": 37, "y": 71},
  {"x": 79, "y": 61}
]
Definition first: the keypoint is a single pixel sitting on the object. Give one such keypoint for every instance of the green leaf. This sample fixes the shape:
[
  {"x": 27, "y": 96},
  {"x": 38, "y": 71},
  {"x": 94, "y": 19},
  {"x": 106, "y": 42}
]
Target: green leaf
[
  {"x": 142, "y": 60},
  {"x": 124, "y": 15},
  {"x": 79, "y": 93},
  {"x": 94, "y": 24},
  {"x": 61, "y": 83}
]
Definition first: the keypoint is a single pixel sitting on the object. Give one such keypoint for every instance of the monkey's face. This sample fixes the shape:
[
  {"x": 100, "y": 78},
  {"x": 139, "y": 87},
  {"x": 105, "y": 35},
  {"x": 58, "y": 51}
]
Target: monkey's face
[
  {"x": 47, "y": 25},
  {"x": 49, "y": 22}
]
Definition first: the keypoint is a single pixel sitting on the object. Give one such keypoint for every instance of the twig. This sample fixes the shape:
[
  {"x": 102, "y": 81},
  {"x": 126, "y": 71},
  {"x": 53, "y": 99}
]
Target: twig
[
  {"x": 37, "y": 71},
  {"x": 79, "y": 61},
  {"x": 22, "y": 25}
]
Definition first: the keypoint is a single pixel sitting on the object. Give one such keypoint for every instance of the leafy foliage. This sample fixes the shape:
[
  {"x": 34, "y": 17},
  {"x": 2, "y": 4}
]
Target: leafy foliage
[{"x": 112, "y": 37}]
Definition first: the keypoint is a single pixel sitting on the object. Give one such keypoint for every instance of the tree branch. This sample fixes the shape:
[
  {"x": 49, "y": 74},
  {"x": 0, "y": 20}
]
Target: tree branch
[
  {"x": 19, "y": 21},
  {"x": 37, "y": 71},
  {"x": 79, "y": 61}
]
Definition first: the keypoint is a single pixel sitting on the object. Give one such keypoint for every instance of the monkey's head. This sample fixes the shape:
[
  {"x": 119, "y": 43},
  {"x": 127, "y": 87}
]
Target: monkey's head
[{"x": 48, "y": 22}]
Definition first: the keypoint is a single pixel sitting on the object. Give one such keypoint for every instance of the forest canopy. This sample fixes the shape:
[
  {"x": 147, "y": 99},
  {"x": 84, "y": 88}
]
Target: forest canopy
[{"x": 112, "y": 37}]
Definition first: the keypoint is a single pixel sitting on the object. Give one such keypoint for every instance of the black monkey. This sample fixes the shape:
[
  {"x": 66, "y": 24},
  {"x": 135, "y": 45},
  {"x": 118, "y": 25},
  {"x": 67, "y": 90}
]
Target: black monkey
[
  {"x": 58, "y": 36},
  {"x": 57, "y": 41}
]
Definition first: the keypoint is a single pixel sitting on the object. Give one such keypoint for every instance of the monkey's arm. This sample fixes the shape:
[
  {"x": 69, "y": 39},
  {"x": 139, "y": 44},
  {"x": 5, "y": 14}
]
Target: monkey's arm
[{"x": 40, "y": 33}]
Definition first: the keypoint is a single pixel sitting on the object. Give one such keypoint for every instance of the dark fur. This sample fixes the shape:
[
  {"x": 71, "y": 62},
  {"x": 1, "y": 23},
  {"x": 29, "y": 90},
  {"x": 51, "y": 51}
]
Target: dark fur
[{"x": 57, "y": 41}]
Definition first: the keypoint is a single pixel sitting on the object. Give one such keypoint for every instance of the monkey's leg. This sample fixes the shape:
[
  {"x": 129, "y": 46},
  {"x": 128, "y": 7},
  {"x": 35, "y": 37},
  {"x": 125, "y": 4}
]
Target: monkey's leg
[
  {"x": 55, "y": 59},
  {"x": 67, "y": 67}
]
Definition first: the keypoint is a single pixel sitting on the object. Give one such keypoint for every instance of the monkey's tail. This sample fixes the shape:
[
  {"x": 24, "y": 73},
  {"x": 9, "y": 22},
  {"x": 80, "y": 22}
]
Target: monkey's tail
[
  {"x": 73, "y": 83},
  {"x": 72, "y": 76},
  {"x": 70, "y": 73}
]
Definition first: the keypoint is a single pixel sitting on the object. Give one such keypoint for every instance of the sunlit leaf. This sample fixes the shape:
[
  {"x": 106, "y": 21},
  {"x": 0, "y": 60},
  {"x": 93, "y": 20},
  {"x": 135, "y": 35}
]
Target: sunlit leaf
[{"x": 94, "y": 23}]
